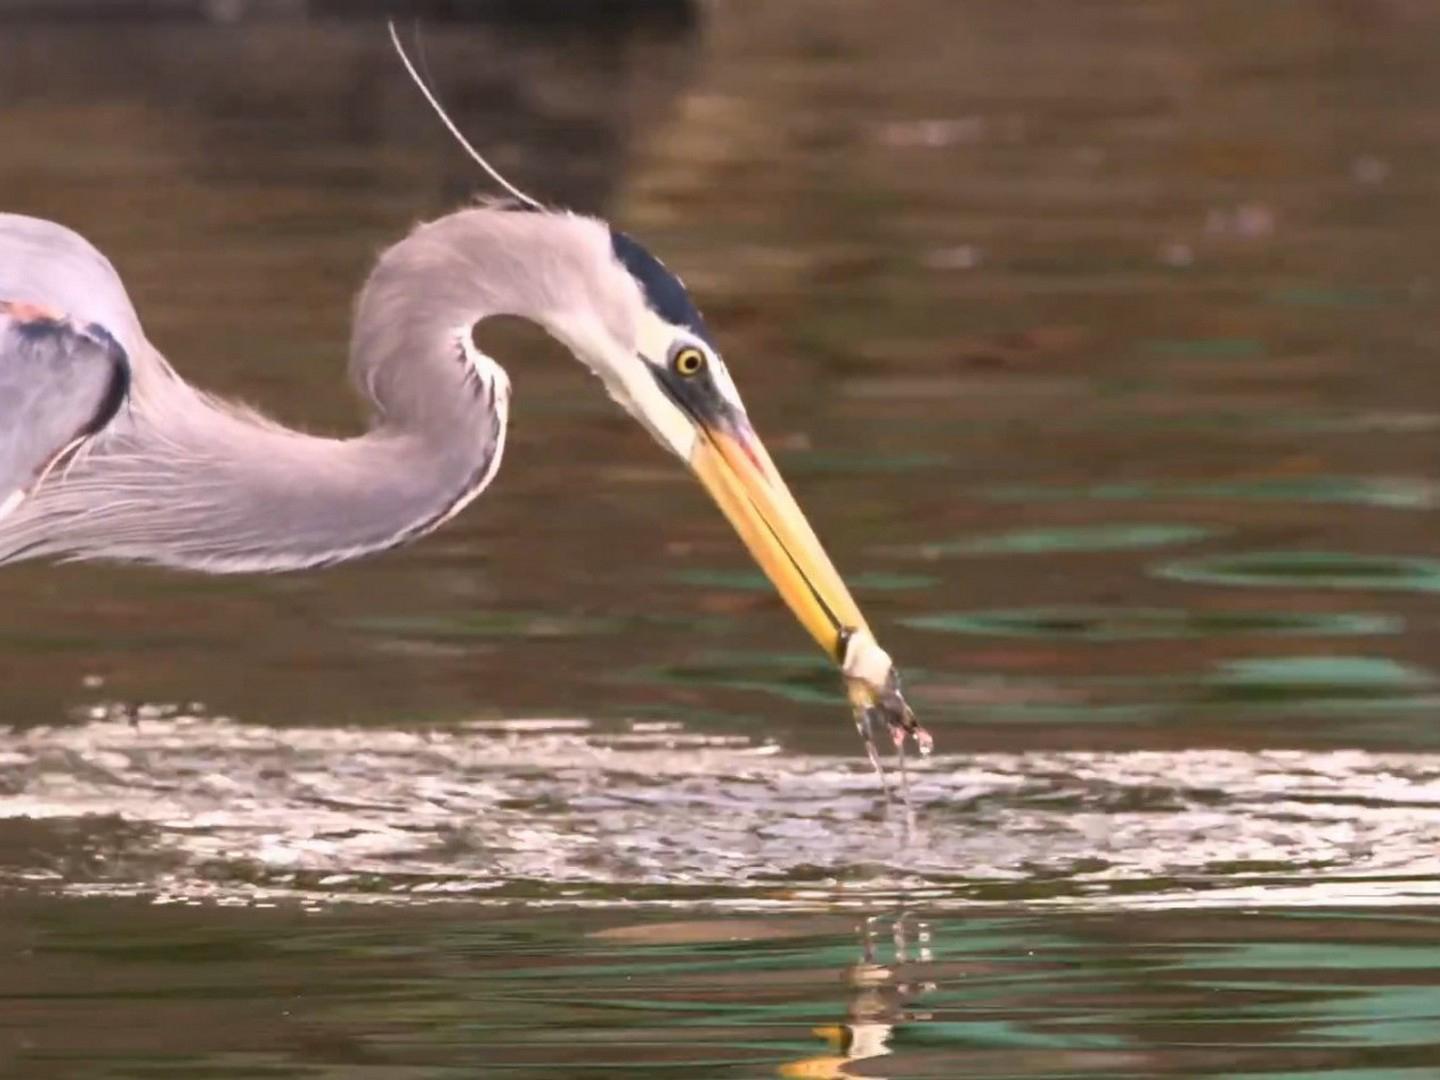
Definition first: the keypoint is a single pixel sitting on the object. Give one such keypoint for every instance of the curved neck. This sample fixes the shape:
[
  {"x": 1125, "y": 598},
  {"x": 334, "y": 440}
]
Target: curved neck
[
  {"x": 184, "y": 480},
  {"x": 427, "y": 292}
]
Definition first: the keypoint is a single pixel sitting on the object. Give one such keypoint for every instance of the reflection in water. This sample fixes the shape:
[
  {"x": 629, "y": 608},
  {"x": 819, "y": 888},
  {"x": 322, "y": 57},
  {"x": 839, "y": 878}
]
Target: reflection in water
[
  {"x": 1314, "y": 569},
  {"x": 387, "y": 992},
  {"x": 1340, "y": 688},
  {"x": 881, "y": 990},
  {"x": 1056, "y": 541},
  {"x": 1390, "y": 492},
  {"x": 1148, "y": 624},
  {"x": 281, "y": 101},
  {"x": 568, "y": 810}
]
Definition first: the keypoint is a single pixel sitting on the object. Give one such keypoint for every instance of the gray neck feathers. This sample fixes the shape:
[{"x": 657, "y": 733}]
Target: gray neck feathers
[{"x": 182, "y": 479}]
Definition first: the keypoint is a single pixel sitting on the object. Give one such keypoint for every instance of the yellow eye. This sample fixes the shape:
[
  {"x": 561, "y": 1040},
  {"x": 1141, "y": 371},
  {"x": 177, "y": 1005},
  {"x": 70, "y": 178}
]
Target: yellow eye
[{"x": 688, "y": 361}]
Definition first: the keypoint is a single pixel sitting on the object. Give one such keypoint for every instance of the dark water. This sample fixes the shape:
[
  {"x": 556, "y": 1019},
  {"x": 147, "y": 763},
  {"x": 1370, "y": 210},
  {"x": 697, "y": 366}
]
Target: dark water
[{"x": 1099, "y": 342}]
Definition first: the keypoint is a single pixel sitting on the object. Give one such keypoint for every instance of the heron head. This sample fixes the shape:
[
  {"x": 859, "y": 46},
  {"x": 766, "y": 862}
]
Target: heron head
[
  {"x": 677, "y": 385},
  {"x": 669, "y": 375}
]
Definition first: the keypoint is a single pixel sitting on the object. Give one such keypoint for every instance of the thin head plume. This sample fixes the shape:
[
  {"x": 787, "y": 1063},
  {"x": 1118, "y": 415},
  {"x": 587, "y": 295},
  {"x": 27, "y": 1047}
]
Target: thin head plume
[{"x": 450, "y": 124}]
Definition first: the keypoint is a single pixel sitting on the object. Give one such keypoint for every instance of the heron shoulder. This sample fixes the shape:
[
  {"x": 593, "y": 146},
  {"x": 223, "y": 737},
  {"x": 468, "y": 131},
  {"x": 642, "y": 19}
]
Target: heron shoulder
[
  {"x": 48, "y": 264},
  {"x": 61, "y": 382}
]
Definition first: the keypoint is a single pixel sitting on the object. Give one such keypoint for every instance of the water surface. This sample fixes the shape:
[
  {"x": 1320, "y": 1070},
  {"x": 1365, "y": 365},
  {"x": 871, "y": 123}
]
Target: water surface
[{"x": 1098, "y": 343}]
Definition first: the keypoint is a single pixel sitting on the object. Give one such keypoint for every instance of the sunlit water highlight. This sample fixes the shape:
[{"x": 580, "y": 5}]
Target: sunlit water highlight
[{"x": 565, "y": 811}]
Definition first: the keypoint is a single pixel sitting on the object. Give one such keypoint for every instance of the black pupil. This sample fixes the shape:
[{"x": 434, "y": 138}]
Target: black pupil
[{"x": 689, "y": 362}]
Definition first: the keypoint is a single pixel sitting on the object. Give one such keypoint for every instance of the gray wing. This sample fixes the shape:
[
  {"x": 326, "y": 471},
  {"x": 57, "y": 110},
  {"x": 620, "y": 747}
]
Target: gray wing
[
  {"x": 51, "y": 266},
  {"x": 60, "y": 382}
]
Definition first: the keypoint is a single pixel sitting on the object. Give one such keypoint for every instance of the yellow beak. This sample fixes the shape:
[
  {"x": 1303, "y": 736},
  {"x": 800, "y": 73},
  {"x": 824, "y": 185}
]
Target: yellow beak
[
  {"x": 734, "y": 467},
  {"x": 739, "y": 475}
]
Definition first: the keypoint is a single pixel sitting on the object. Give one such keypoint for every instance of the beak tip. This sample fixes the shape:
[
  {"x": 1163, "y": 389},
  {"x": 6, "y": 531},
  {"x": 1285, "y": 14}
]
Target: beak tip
[{"x": 873, "y": 686}]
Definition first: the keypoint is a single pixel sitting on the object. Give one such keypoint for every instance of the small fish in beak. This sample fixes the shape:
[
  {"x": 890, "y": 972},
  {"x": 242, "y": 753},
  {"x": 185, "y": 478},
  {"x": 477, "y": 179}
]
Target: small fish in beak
[{"x": 872, "y": 684}]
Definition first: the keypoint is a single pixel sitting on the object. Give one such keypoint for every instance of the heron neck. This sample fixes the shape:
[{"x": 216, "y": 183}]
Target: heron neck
[
  {"x": 427, "y": 292},
  {"x": 182, "y": 479}
]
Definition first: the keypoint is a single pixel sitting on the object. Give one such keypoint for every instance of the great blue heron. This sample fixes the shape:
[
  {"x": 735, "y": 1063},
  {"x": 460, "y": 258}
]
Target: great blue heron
[{"x": 106, "y": 453}]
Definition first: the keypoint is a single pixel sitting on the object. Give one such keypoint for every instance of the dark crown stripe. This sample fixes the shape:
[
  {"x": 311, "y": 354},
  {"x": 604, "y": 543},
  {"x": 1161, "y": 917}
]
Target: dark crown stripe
[{"x": 664, "y": 291}]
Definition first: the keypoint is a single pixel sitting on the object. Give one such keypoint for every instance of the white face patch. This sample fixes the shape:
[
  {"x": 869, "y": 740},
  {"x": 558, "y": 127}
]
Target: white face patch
[
  {"x": 630, "y": 381},
  {"x": 659, "y": 339},
  {"x": 654, "y": 338},
  {"x": 650, "y": 405}
]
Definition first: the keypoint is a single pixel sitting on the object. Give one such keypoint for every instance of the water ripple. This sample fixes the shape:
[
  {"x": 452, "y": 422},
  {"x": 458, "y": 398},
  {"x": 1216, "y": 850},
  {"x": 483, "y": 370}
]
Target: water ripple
[{"x": 562, "y": 811}]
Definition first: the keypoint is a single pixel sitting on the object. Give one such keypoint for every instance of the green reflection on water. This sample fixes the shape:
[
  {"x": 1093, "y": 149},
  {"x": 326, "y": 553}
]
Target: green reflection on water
[
  {"x": 1074, "y": 538},
  {"x": 489, "y": 624},
  {"x": 1349, "y": 690},
  {"x": 1207, "y": 348},
  {"x": 1280, "y": 957},
  {"x": 1369, "y": 680},
  {"x": 402, "y": 992},
  {"x": 1145, "y": 624},
  {"x": 1078, "y": 714},
  {"x": 1310, "y": 569},
  {"x": 1393, "y": 492},
  {"x": 803, "y": 679}
]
